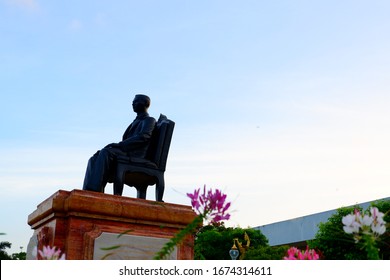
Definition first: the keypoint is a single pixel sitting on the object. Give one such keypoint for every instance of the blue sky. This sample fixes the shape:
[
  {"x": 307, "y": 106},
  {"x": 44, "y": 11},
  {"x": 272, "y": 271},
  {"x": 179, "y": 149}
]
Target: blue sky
[{"x": 282, "y": 104}]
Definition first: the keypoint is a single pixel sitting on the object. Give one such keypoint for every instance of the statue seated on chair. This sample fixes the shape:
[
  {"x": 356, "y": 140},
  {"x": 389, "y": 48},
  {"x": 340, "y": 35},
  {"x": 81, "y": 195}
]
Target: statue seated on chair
[{"x": 139, "y": 160}]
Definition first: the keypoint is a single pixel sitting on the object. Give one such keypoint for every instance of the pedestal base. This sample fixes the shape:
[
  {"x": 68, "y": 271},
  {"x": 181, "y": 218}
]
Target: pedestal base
[{"x": 88, "y": 225}]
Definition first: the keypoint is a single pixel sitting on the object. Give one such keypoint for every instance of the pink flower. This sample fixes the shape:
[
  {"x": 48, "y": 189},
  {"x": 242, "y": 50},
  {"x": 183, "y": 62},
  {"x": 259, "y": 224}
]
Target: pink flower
[
  {"x": 195, "y": 199},
  {"x": 294, "y": 253},
  {"x": 210, "y": 204},
  {"x": 50, "y": 253}
]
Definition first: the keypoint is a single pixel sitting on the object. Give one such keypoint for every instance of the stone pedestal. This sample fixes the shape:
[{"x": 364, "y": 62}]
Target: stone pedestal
[{"x": 87, "y": 225}]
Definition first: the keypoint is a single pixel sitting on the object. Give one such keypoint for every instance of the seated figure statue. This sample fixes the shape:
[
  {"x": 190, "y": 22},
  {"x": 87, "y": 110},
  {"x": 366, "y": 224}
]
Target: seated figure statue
[{"x": 134, "y": 144}]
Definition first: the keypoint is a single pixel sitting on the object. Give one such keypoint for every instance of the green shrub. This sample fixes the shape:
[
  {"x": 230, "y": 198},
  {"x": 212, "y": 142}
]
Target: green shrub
[
  {"x": 215, "y": 242},
  {"x": 334, "y": 244},
  {"x": 266, "y": 253}
]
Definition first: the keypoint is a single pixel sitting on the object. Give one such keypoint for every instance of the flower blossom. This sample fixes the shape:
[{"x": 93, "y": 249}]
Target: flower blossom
[
  {"x": 211, "y": 205},
  {"x": 352, "y": 222},
  {"x": 294, "y": 253},
  {"x": 367, "y": 224},
  {"x": 366, "y": 228},
  {"x": 378, "y": 225},
  {"x": 51, "y": 253}
]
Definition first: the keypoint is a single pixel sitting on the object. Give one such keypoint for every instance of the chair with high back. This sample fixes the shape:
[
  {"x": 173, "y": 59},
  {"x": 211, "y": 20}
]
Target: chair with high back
[{"x": 141, "y": 173}]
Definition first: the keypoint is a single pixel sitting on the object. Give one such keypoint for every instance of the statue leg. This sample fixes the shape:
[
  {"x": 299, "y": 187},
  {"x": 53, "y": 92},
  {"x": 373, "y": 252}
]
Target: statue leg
[
  {"x": 89, "y": 183},
  {"x": 118, "y": 180},
  {"x": 160, "y": 186},
  {"x": 141, "y": 191},
  {"x": 98, "y": 171}
]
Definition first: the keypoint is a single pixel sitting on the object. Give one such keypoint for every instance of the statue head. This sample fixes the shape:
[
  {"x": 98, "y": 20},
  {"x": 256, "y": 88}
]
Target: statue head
[{"x": 141, "y": 103}]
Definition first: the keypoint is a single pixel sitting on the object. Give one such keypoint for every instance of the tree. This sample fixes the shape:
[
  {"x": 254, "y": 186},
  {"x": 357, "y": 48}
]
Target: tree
[
  {"x": 3, "y": 253},
  {"x": 19, "y": 256},
  {"x": 5, "y": 256}
]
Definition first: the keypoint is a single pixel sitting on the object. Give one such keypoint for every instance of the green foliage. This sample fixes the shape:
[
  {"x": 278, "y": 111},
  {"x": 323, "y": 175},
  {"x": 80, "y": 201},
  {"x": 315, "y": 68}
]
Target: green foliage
[
  {"x": 266, "y": 253},
  {"x": 214, "y": 242},
  {"x": 19, "y": 256},
  {"x": 331, "y": 240},
  {"x": 178, "y": 238},
  {"x": 3, "y": 253},
  {"x": 334, "y": 244},
  {"x": 384, "y": 241}
]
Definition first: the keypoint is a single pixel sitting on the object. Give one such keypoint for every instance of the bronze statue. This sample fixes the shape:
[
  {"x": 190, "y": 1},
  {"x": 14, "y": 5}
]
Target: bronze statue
[
  {"x": 242, "y": 248},
  {"x": 134, "y": 144}
]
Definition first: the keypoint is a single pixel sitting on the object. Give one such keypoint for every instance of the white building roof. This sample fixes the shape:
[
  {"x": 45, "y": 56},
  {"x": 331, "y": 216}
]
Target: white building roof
[{"x": 299, "y": 229}]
